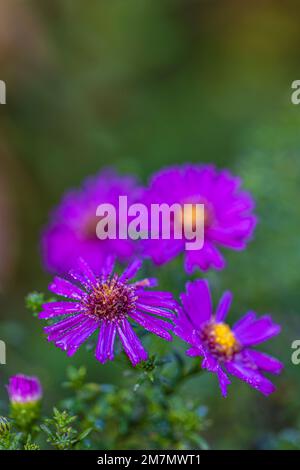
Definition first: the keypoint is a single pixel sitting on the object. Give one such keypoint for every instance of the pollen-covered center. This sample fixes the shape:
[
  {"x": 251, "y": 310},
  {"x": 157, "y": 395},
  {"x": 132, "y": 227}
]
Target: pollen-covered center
[
  {"x": 110, "y": 300},
  {"x": 220, "y": 340}
]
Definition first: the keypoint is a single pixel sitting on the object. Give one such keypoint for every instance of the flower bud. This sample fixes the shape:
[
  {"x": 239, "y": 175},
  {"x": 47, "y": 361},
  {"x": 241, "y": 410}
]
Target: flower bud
[{"x": 25, "y": 395}]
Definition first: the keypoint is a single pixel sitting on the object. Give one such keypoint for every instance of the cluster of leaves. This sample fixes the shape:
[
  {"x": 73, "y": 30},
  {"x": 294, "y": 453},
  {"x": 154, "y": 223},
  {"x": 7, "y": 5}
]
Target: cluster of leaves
[
  {"x": 150, "y": 408},
  {"x": 102, "y": 416}
]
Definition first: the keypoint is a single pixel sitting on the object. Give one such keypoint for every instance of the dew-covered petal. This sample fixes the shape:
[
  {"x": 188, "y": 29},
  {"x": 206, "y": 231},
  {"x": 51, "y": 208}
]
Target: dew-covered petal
[
  {"x": 163, "y": 295},
  {"x": 251, "y": 377},
  {"x": 68, "y": 332},
  {"x": 63, "y": 325},
  {"x": 154, "y": 299},
  {"x": 65, "y": 288},
  {"x": 264, "y": 361},
  {"x": 155, "y": 325},
  {"x": 87, "y": 272},
  {"x": 131, "y": 343},
  {"x": 105, "y": 346},
  {"x": 77, "y": 336},
  {"x": 80, "y": 278},
  {"x": 155, "y": 310},
  {"x": 56, "y": 309}
]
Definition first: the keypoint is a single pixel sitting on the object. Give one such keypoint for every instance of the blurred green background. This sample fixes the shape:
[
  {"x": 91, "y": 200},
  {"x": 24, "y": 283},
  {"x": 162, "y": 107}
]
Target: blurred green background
[{"x": 142, "y": 84}]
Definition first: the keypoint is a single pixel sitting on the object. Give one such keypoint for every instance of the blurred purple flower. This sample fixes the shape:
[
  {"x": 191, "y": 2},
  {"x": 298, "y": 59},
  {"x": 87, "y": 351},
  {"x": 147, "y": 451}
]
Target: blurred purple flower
[
  {"x": 23, "y": 389},
  {"x": 107, "y": 302},
  {"x": 71, "y": 232},
  {"x": 225, "y": 350},
  {"x": 227, "y": 215}
]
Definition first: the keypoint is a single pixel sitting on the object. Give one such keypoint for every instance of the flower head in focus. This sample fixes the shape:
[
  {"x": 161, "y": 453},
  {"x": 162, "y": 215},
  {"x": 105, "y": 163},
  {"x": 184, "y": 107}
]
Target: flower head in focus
[
  {"x": 71, "y": 232},
  {"x": 107, "y": 302},
  {"x": 224, "y": 349},
  {"x": 228, "y": 218}
]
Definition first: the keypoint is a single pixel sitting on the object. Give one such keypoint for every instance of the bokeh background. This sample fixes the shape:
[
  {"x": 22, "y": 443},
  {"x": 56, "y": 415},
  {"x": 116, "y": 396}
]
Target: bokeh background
[{"x": 141, "y": 84}]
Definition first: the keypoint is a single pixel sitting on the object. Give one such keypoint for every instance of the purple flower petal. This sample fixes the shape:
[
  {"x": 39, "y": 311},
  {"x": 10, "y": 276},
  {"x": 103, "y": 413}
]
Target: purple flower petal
[
  {"x": 64, "y": 325},
  {"x": 184, "y": 329},
  {"x": 87, "y": 272},
  {"x": 80, "y": 278},
  {"x": 197, "y": 302},
  {"x": 208, "y": 257},
  {"x": 156, "y": 294},
  {"x": 162, "y": 251},
  {"x": 108, "y": 265},
  {"x": 235, "y": 236},
  {"x": 223, "y": 381},
  {"x": 105, "y": 346},
  {"x": 223, "y": 307},
  {"x": 195, "y": 351},
  {"x": 156, "y": 300},
  {"x": 209, "y": 362},
  {"x": 66, "y": 330},
  {"x": 264, "y": 361},
  {"x": 155, "y": 310},
  {"x": 131, "y": 270},
  {"x": 71, "y": 341},
  {"x": 258, "y": 331},
  {"x": 56, "y": 309},
  {"x": 243, "y": 322},
  {"x": 155, "y": 325},
  {"x": 131, "y": 343},
  {"x": 66, "y": 289},
  {"x": 251, "y": 377}
]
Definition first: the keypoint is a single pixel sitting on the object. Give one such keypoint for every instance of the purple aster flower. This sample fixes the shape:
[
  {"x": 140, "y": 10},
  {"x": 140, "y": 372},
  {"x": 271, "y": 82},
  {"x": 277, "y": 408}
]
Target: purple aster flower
[
  {"x": 225, "y": 350},
  {"x": 23, "y": 389},
  {"x": 71, "y": 232},
  {"x": 228, "y": 220},
  {"x": 108, "y": 303}
]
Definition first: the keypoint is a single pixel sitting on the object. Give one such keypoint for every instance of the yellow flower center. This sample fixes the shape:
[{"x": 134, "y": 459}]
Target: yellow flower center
[
  {"x": 220, "y": 340},
  {"x": 224, "y": 337}
]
